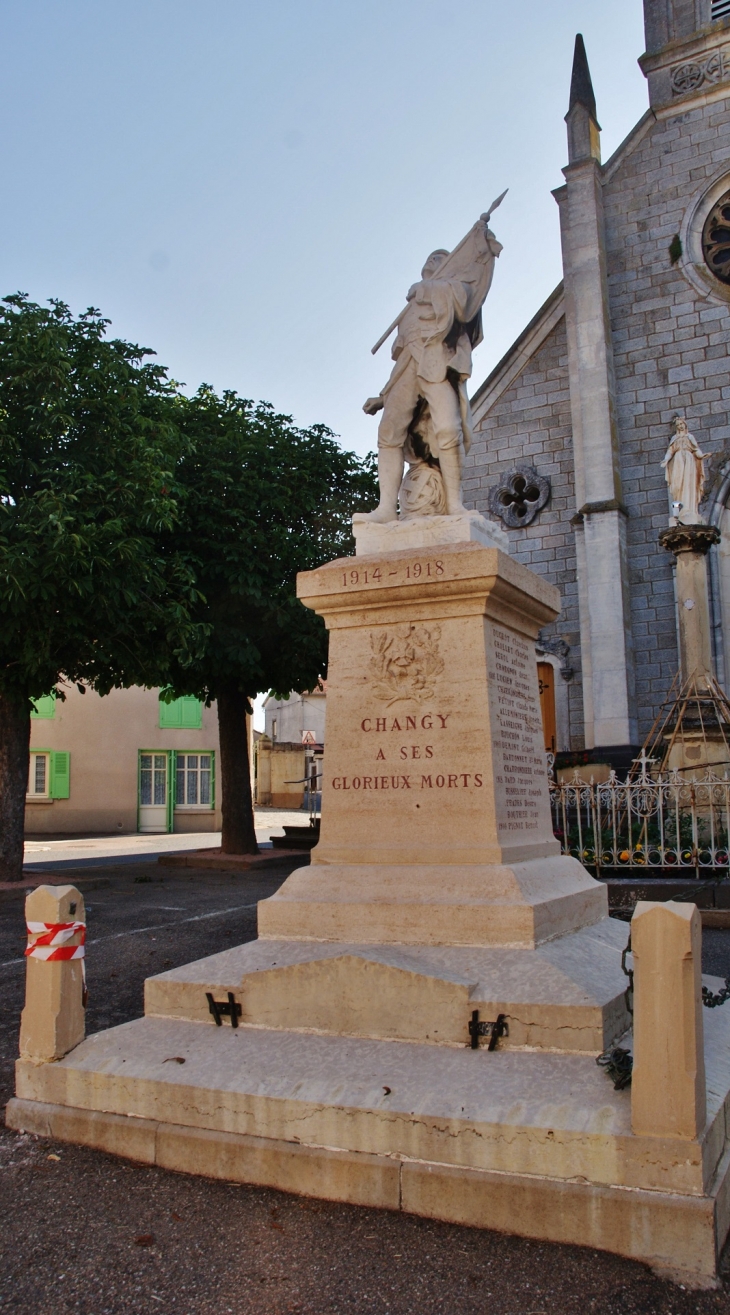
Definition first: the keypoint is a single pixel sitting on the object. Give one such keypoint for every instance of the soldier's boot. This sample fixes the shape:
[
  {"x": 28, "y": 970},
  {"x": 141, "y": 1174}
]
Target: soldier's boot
[
  {"x": 451, "y": 461},
  {"x": 390, "y": 476}
]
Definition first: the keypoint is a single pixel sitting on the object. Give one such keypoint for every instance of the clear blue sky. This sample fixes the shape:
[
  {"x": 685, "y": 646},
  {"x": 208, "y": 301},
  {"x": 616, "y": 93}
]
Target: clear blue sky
[{"x": 250, "y": 188}]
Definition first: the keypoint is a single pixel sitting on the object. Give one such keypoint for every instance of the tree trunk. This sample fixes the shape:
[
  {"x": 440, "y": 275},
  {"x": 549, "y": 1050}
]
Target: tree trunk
[
  {"x": 14, "y": 762},
  {"x": 239, "y": 835}
]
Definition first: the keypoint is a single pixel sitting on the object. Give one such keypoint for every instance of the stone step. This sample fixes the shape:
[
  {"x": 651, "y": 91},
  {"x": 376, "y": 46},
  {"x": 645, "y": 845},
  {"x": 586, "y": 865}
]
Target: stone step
[
  {"x": 513, "y": 1112},
  {"x": 566, "y": 995}
]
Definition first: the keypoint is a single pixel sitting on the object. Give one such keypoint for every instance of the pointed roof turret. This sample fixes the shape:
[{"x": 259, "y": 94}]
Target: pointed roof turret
[
  {"x": 581, "y": 87},
  {"x": 584, "y": 130}
]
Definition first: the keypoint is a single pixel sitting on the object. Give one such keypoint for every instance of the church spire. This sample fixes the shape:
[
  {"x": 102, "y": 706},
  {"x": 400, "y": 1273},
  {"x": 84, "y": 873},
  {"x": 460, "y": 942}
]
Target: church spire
[
  {"x": 584, "y": 132},
  {"x": 581, "y": 87}
]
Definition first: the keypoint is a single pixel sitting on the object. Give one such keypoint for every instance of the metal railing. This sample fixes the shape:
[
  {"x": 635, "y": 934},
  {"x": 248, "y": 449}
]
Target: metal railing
[
  {"x": 660, "y": 821},
  {"x": 312, "y": 802}
]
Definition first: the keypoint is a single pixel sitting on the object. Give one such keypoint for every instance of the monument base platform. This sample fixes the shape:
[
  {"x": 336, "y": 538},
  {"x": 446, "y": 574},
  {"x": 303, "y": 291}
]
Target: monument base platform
[
  {"x": 530, "y": 1143},
  {"x": 568, "y": 995},
  {"x": 479, "y": 904},
  {"x": 426, "y": 532}
]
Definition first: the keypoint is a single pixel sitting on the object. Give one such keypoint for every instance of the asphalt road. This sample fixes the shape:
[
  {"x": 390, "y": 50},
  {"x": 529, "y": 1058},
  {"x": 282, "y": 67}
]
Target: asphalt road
[{"x": 83, "y": 1232}]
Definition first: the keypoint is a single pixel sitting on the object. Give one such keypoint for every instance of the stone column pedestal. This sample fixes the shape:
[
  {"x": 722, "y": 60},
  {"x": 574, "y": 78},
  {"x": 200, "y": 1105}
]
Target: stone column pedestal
[{"x": 690, "y": 545}]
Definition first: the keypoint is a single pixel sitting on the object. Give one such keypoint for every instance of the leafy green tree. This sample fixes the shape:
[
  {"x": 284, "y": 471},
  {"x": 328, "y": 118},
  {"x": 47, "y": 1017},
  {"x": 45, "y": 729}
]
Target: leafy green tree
[
  {"x": 90, "y": 589},
  {"x": 263, "y": 500}
]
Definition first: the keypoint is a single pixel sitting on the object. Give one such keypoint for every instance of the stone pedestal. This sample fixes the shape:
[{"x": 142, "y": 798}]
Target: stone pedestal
[
  {"x": 690, "y": 545},
  {"x": 424, "y": 532},
  {"x": 436, "y": 824}
]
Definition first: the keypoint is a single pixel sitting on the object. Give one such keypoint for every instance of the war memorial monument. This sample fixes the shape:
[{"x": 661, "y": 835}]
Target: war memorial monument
[{"x": 417, "y": 1026}]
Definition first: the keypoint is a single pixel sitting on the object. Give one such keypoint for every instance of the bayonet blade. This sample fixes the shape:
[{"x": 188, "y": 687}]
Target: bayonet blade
[{"x": 494, "y": 205}]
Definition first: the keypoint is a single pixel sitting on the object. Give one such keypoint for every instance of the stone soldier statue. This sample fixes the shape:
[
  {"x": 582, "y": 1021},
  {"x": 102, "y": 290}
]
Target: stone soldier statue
[
  {"x": 437, "y": 330},
  {"x": 684, "y": 468}
]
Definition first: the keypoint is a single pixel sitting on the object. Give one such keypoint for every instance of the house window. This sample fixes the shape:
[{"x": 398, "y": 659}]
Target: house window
[
  {"x": 49, "y": 774},
  {"x": 274, "y": 727},
  {"x": 152, "y": 779},
  {"x": 45, "y": 707},
  {"x": 193, "y": 780},
  {"x": 182, "y": 714},
  {"x": 720, "y": 9},
  {"x": 39, "y": 776}
]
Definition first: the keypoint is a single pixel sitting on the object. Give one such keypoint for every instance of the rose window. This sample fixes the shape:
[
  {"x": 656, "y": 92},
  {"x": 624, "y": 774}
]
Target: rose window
[{"x": 716, "y": 239}]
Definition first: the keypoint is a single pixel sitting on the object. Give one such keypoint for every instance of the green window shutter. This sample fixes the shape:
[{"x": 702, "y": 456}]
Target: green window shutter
[
  {"x": 170, "y": 715},
  {"x": 45, "y": 707},
  {"x": 191, "y": 714},
  {"x": 60, "y": 763},
  {"x": 182, "y": 714}
]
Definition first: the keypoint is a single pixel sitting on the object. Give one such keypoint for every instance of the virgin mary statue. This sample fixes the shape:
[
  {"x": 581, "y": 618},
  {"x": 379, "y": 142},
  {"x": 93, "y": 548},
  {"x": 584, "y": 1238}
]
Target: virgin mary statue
[{"x": 684, "y": 469}]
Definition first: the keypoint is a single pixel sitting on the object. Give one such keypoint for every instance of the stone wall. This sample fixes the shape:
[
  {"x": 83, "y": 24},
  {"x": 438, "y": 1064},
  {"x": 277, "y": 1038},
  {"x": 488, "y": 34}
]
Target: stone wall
[
  {"x": 671, "y": 354},
  {"x": 530, "y": 424}
]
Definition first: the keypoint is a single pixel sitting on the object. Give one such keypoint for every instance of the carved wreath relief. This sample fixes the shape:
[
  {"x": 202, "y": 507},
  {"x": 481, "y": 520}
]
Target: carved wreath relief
[{"x": 405, "y": 662}]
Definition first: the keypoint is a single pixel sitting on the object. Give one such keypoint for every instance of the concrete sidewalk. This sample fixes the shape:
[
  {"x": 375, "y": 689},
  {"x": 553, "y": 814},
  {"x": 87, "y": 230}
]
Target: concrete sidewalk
[{"x": 58, "y": 852}]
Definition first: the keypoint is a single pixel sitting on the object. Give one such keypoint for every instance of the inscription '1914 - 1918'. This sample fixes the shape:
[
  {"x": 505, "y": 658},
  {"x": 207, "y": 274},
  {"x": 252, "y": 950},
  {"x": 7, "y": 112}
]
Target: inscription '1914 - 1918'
[{"x": 409, "y": 571}]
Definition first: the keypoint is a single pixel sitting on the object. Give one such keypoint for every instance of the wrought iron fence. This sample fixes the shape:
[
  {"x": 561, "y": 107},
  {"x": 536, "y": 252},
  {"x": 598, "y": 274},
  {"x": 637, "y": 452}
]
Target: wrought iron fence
[{"x": 650, "y": 821}]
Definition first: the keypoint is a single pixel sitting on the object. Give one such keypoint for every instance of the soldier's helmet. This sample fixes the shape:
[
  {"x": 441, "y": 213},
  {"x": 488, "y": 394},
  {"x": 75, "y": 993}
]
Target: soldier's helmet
[{"x": 433, "y": 262}]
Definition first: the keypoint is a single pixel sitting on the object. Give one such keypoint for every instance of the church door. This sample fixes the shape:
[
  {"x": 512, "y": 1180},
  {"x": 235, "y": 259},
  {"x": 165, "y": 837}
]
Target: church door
[{"x": 546, "y": 682}]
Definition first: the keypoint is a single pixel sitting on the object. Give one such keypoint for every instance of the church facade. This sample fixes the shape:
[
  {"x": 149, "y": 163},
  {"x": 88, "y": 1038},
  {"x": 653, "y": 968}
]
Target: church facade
[{"x": 572, "y": 425}]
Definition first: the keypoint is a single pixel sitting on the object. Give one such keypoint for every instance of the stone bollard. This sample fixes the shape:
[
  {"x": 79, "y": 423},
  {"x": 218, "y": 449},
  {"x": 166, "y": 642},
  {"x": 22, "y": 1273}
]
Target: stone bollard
[
  {"x": 53, "y": 1021},
  {"x": 668, "y": 1079}
]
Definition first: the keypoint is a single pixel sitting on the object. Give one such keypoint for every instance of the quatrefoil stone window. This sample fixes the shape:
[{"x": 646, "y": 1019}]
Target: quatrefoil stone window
[{"x": 519, "y": 496}]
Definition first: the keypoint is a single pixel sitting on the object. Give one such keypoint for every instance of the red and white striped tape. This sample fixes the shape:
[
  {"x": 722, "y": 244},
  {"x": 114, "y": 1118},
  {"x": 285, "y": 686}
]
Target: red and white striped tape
[{"x": 53, "y": 940}]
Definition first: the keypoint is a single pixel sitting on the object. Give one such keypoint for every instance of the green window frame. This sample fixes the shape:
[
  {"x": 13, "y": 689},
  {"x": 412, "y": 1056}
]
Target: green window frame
[
  {"x": 184, "y": 714},
  {"x": 58, "y": 779},
  {"x": 194, "y": 779},
  {"x": 45, "y": 707}
]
